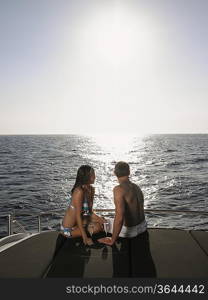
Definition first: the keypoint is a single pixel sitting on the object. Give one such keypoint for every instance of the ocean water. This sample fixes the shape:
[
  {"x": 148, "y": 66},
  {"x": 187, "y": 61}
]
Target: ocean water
[{"x": 37, "y": 173}]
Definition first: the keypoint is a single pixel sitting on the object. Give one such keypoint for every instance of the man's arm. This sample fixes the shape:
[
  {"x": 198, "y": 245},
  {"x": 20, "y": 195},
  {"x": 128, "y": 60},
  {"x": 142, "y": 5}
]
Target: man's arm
[
  {"x": 119, "y": 212},
  {"x": 119, "y": 216}
]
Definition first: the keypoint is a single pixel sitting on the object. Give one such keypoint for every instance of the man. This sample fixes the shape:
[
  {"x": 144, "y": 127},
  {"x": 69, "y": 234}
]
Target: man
[{"x": 129, "y": 218}]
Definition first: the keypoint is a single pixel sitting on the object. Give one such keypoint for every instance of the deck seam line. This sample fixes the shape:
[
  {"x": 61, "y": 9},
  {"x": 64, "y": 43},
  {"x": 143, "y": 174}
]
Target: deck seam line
[
  {"x": 205, "y": 252},
  {"x": 130, "y": 259}
]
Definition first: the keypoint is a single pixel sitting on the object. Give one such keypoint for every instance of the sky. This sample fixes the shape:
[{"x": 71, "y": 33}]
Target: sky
[{"x": 103, "y": 66}]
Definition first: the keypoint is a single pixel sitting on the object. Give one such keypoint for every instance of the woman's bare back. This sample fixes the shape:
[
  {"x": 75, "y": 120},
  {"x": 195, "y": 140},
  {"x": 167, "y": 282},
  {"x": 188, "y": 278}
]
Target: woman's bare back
[{"x": 69, "y": 219}]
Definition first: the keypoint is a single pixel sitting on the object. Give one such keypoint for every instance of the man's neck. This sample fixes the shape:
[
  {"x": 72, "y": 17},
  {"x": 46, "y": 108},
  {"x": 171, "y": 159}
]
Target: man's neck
[{"x": 124, "y": 179}]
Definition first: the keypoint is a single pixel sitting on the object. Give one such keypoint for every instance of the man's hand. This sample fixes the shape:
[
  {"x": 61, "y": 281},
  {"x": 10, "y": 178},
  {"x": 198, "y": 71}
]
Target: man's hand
[{"x": 107, "y": 240}]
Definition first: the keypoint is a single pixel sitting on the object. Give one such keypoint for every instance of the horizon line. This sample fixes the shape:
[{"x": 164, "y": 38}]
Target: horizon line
[{"x": 88, "y": 134}]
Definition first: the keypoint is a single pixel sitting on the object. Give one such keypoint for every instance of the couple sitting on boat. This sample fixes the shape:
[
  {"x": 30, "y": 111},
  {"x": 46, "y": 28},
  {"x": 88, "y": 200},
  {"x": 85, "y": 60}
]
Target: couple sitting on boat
[{"x": 129, "y": 220}]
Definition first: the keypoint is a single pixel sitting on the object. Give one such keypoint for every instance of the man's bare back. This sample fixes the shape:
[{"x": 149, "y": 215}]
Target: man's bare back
[
  {"x": 129, "y": 220},
  {"x": 134, "y": 203}
]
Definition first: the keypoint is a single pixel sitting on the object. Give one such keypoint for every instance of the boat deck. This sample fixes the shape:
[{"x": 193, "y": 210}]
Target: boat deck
[{"x": 161, "y": 253}]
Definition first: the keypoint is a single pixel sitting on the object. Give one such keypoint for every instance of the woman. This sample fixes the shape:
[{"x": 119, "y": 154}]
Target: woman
[{"x": 79, "y": 215}]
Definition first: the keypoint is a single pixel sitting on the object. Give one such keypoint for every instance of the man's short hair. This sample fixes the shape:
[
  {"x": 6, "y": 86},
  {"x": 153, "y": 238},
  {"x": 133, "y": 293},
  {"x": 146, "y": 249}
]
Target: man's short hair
[{"x": 122, "y": 169}]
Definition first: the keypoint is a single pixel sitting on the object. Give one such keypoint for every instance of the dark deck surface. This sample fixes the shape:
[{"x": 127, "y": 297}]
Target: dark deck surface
[
  {"x": 161, "y": 253},
  {"x": 127, "y": 258},
  {"x": 29, "y": 258}
]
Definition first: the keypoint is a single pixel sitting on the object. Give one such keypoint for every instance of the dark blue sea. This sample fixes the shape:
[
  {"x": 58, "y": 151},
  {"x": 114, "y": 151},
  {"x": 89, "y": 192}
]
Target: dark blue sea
[{"x": 37, "y": 173}]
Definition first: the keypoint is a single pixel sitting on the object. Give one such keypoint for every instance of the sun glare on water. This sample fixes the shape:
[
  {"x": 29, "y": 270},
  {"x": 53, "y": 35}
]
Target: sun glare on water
[{"x": 117, "y": 146}]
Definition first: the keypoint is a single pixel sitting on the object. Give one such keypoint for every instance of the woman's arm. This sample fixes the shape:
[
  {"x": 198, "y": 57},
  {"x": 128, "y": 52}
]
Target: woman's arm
[
  {"x": 95, "y": 217},
  {"x": 92, "y": 194}
]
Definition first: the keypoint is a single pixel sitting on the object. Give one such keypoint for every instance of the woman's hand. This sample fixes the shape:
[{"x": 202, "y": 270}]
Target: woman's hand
[
  {"x": 87, "y": 241},
  {"x": 103, "y": 220},
  {"x": 98, "y": 219},
  {"x": 107, "y": 240}
]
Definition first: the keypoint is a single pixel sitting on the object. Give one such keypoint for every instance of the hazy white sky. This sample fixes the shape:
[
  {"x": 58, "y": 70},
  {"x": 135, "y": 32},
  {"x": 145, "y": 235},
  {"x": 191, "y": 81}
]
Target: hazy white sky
[{"x": 94, "y": 66}]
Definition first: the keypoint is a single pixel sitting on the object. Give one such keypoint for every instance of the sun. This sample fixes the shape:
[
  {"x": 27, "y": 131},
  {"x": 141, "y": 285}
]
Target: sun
[{"x": 117, "y": 36}]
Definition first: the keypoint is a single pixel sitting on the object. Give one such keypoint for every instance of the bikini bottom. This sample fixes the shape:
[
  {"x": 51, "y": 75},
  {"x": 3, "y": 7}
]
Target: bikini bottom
[{"x": 67, "y": 231}]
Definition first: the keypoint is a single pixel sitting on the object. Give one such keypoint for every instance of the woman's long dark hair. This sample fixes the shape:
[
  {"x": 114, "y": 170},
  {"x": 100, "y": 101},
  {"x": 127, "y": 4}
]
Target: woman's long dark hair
[{"x": 83, "y": 176}]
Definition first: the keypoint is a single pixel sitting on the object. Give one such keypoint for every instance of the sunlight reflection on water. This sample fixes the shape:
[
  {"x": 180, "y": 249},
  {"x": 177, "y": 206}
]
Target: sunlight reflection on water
[
  {"x": 38, "y": 172},
  {"x": 110, "y": 149}
]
